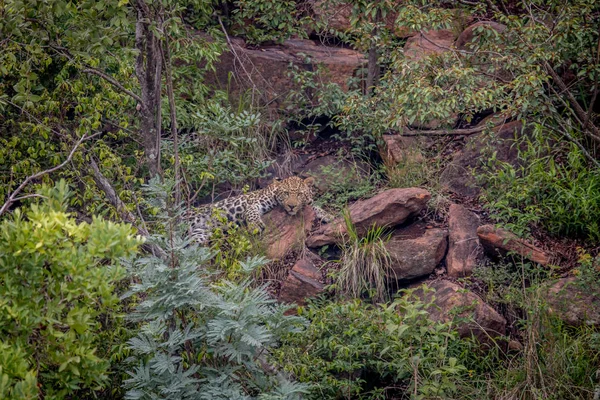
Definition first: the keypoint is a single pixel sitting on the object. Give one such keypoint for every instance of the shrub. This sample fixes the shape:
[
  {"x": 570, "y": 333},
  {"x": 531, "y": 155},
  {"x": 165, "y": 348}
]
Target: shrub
[
  {"x": 56, "y": 280},
  {"x": 356, "y": 351}
]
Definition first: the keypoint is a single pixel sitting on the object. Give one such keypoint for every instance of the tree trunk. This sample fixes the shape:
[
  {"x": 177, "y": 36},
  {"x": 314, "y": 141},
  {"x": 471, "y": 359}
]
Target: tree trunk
[
  {"x": 148, "y": 69},
  {"x": 372, "y": 69}
]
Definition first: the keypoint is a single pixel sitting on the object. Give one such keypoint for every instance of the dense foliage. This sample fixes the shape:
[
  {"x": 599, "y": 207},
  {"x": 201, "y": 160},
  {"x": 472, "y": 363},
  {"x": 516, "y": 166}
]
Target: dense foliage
[
  {"x": 57, "y": 282},
  {"x": 374, "y": 352}
]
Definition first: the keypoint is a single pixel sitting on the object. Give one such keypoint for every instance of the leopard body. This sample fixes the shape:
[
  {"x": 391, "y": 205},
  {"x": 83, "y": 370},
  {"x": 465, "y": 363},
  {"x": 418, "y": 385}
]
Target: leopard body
[{"x": 292, "y": 194}]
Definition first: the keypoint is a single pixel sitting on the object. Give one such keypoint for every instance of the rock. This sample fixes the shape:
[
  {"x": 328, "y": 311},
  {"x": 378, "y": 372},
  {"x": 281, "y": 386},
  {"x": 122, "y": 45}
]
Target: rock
[
  {"x": 574, "y": 304},
  {"x": 464, "y": 249},
  {"x": 453, "y": 303},
  {"x": 303, "y": 281},
  {"x": 284, "y": 232},
  {"x": 267, "y": 68},
  {"x": 416, "y": 257},
  {"x": 398, "y": 149},
  {"x": 389, "y": 208},
  {"x": 494, "y": 239},
  {"x": 430, "y": 42},
  {"x": 459, "y": 176},
  {"x": 329, "y": 168}
]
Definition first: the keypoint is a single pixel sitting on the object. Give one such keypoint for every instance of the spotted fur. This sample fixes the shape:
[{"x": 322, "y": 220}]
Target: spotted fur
[{"x": 292, "y": 194}]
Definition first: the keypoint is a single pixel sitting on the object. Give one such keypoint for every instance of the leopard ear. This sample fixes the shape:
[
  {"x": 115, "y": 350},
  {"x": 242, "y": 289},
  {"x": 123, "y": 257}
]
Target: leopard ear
[{"x": 310, "y": 181}]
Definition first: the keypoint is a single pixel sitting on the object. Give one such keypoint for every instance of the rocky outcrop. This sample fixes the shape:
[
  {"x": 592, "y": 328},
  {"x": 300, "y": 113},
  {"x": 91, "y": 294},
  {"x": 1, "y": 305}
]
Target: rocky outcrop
[
  {"x": 459, "y": 176},
  {"x": 470, "y": 314},
  {"x": 303, "y": 281},
  {"x": 267, "y": 68},
  {"x": 413, "y": 257},
  {"x": 574, "y": 302},
  {"x": 285, "y": 232},
  {"x": 464, "y": 249},
  {"x": 389, "y": 208},
  {"x": 498, "y": 240}
]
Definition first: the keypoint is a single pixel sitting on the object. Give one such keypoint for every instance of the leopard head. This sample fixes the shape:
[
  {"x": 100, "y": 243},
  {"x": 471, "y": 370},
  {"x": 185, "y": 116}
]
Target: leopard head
[{"x": 294, "y": 193}]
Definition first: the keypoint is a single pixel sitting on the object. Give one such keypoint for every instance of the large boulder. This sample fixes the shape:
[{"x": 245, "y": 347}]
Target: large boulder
[
  {"x": 303, "y": 281},
  {"x": 459, "y": 176},
  {"x": 267, "y": 68},
  {"x": 574, "y": 302},
  {"x": 500, "y": 241},
  {"x": 464, "y": 249},
  {"x": 389, "y": 208},
  {"x": 467, "y": 311},
  {"x": 414, "y": 256},
  {"x": 284, "y": 232}
]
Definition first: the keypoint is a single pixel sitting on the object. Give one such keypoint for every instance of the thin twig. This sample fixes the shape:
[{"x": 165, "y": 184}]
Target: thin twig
[
  {"x": 13, "y": 196},
  {"x": 114, "y": 82}
]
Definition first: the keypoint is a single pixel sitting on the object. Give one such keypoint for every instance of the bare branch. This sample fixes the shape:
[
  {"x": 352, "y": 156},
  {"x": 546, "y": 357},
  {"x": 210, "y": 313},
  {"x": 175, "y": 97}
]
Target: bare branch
[
  {"x": 113, "y": 198},
  {"x": 448, "y": 132},
  {"x": 13, "y": 196},
  {"x": 116, "y": 84}
]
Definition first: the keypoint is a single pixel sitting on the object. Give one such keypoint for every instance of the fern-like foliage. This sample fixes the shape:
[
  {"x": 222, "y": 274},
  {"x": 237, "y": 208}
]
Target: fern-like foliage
[{"x": 200, "y": 338}]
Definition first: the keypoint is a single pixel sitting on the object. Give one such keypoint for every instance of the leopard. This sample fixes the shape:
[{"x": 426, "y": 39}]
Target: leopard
[{"x": 293, "y": 194}]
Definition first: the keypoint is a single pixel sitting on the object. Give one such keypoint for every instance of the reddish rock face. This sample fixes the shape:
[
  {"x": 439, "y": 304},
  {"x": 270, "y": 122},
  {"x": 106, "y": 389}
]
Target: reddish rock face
[
  {"x": 494, "y": 238},
  {"x": 487, "y": 323},
  {"x": 267, "y": 68},
  {"x": 416, "y": 257},
  {"x": 464, "y": 249},
  {"x": 303, "y": 281},
  {"x": 573, "y": 303},
  {"x": 285, "y": 232},
  {"x": 390, "y": 208}
]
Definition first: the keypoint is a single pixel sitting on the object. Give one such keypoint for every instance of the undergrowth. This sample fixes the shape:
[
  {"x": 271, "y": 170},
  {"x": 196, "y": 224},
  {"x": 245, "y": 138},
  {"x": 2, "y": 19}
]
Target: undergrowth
[{"x": 366, "y": 265}]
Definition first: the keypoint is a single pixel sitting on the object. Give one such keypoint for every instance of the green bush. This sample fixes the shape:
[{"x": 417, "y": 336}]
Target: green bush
[
  {"x": 356, "y": 351},
  {"x": 56, "y": 280},
  {"x": 553, "y": 186}
]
